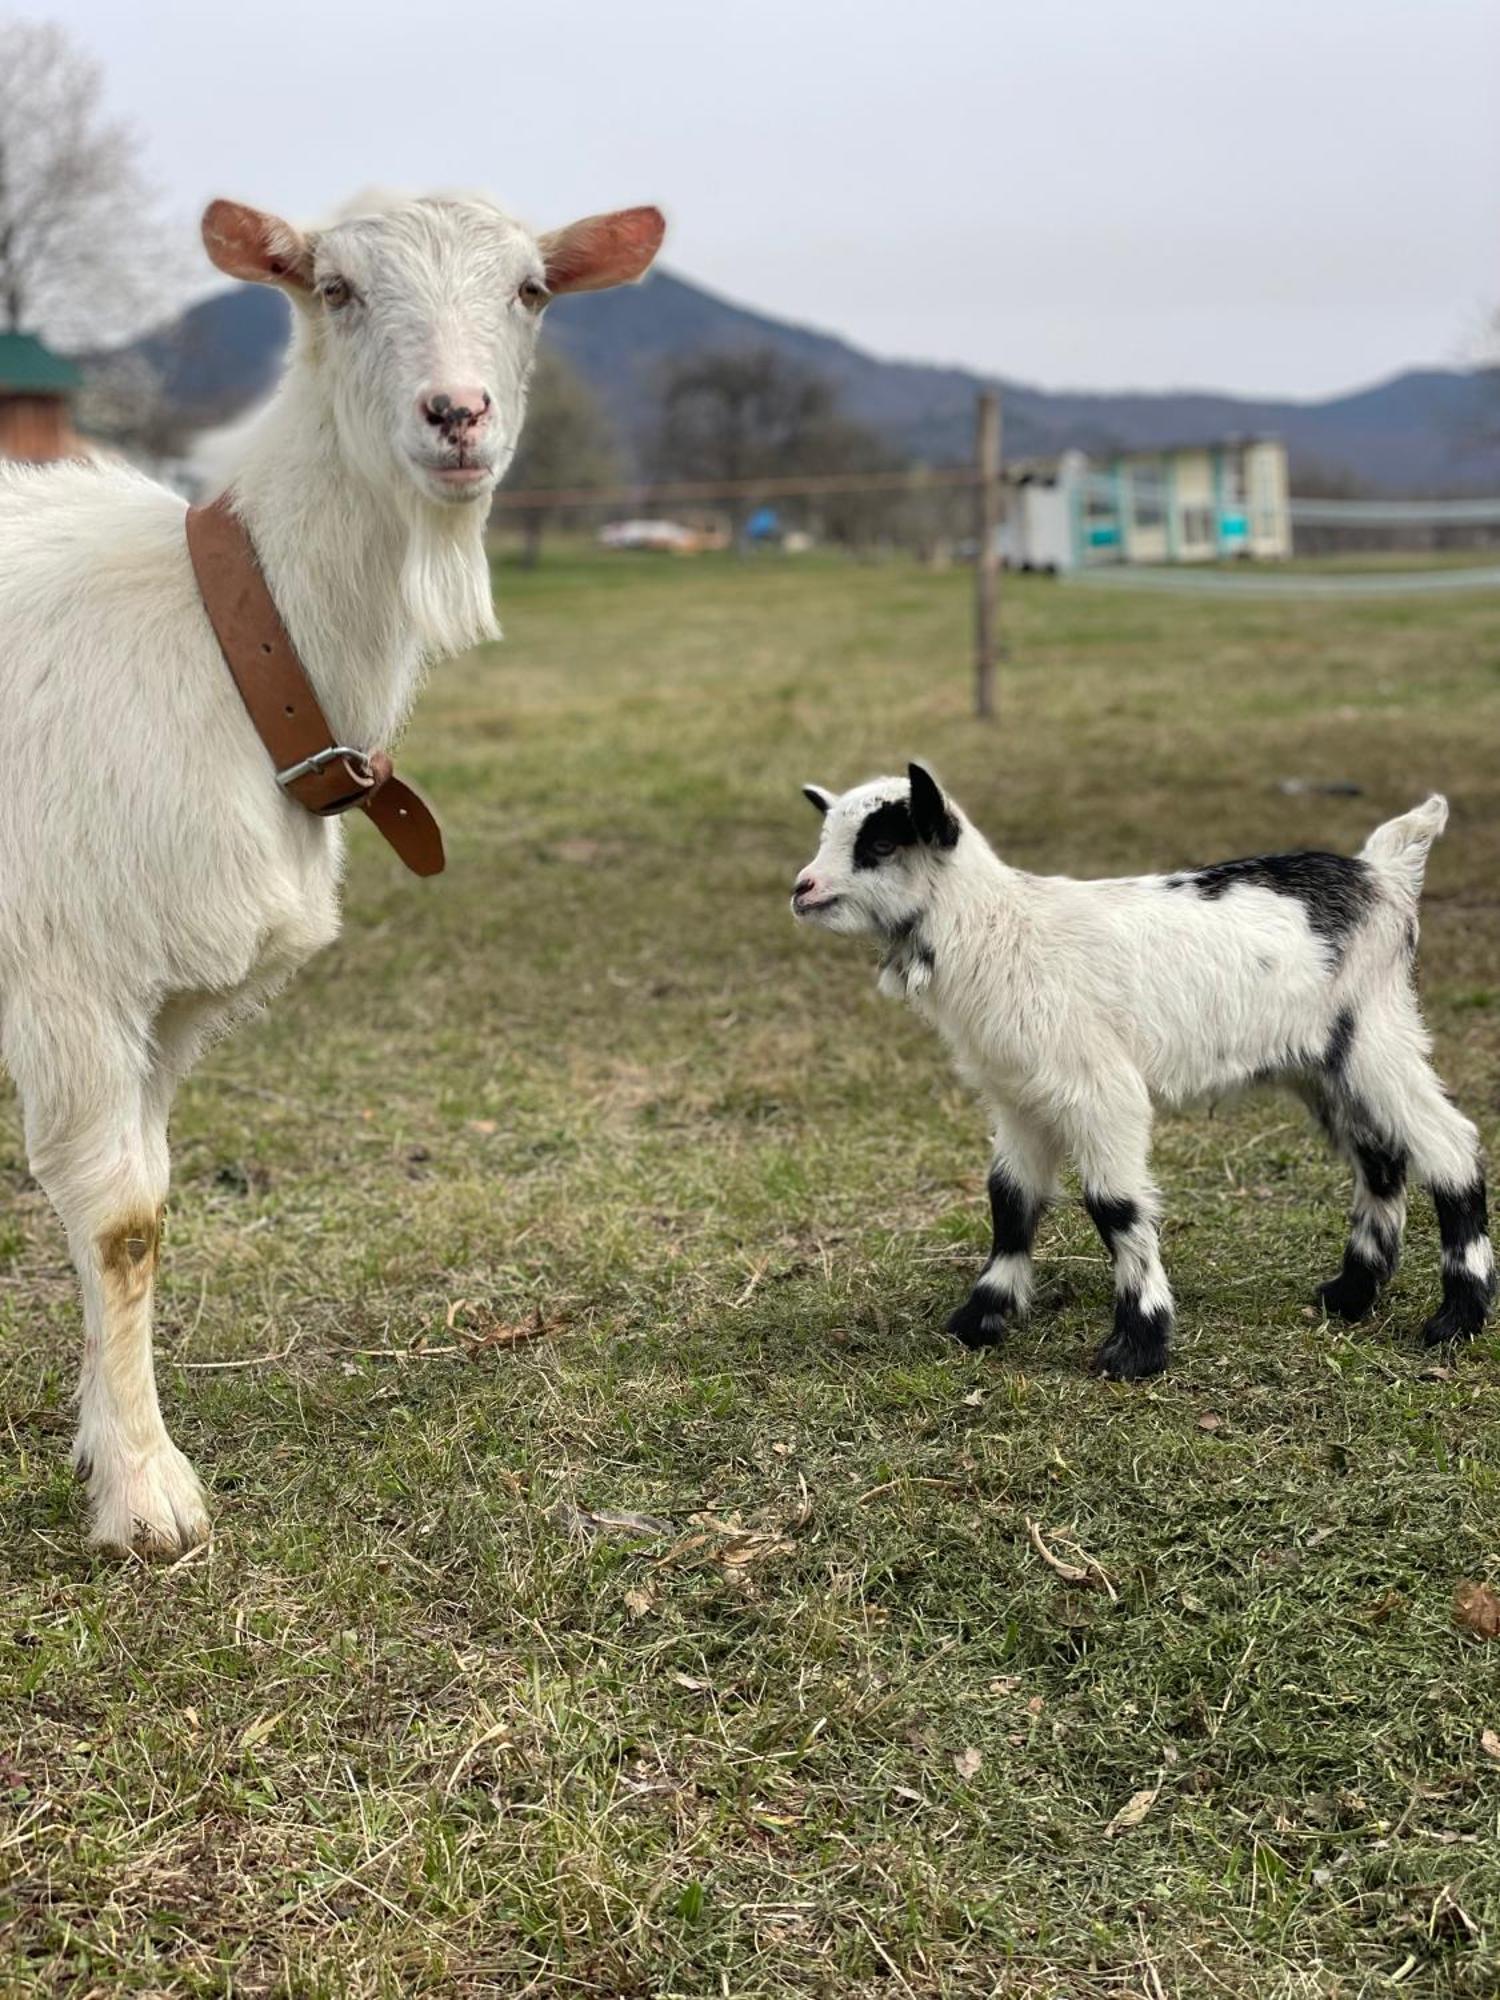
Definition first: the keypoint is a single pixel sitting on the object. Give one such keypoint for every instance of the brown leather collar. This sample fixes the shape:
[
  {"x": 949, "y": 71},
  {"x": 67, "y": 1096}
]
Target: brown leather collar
[{"x": 312, "y": 767}]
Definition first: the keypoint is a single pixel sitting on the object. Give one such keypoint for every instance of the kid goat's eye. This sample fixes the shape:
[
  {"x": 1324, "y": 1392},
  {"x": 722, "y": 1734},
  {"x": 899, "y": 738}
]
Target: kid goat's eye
[
  {"x": 336, "y": 293},
  {"x": 882, "y": 849},
  {"x": 532, "y": 295}
]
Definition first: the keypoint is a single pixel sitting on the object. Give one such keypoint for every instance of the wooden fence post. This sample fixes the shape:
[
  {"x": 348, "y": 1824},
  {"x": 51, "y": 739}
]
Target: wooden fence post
[{"x": 987, "y": 647}]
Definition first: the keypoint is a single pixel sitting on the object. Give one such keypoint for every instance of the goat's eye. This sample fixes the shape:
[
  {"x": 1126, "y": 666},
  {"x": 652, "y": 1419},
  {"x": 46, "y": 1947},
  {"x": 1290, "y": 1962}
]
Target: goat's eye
[
  {"x": 335, "y": 293},
  {"x": 532, "y": 294},
  {"x": 882, "y": 849}
]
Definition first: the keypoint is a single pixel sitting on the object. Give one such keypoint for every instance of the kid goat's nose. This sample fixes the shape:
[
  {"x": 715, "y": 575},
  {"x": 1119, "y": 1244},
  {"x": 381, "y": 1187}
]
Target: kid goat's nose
[
  {"x": 457, "y": 412},
  {"x": 803, "y": 886}
]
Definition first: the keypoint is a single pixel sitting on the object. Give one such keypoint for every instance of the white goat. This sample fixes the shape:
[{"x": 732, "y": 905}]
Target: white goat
[
  {"x": 155, "y": 883},
  {"x": 1071, "y": 1007}
]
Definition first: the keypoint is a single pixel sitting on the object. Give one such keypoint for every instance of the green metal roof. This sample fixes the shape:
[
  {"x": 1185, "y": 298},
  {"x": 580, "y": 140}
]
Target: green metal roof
[{"x": 28, "y": 368}]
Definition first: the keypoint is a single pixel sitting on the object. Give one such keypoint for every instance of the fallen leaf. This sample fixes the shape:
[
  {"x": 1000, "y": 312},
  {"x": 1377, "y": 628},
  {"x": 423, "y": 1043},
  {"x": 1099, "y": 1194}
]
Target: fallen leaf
[
  {"x": 1210, "y": 1421},
  {"x": 692, "y": 1686},
  {"x": 257, "y": 1731},
  {"x": 974, "y": 1398},
  {"x": 1133, "y": 1811},
  {"x": 1437, "y": 1373},
  {"x": 639, "y": 1602},
  {"x": 1489, "y": 1743},
  {"x": 967, "y": 1763},
  {"x": 1477, "y": 1609},
  {"x": 484, "y": 1126},
  {"x": 498, "y": 1334},
  {"x": 1381, "y": 1609}
]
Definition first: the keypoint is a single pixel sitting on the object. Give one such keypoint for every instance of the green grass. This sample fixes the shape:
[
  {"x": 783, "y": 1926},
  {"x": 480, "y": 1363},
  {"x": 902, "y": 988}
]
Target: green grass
[{"x": 831, "y": 1726}]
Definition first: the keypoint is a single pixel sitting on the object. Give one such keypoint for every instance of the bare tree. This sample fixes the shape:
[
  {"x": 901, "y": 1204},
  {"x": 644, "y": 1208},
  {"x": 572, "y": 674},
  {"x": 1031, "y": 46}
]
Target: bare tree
[
  {"x": 567, "y": 445},
  {"x": 739, "y": 415},
  {"x": 125, "y": 402},
  {"x": 80, "y": 259}
]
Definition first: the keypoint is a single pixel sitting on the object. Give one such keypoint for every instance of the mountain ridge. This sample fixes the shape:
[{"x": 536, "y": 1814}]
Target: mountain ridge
[{"x": 1424, "y": 430}]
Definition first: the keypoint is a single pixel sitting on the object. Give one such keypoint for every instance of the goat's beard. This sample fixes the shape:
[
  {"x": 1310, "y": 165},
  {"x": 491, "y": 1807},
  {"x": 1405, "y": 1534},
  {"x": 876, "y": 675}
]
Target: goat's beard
[{"x": 445, "y": 579}]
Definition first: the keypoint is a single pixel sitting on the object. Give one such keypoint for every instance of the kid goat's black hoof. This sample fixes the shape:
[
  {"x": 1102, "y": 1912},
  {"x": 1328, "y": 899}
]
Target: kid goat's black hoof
[
  {"x": 1136, "y": 1349},
  {"x": 1456, "y": 1320},
  {"x": 981, "y": 1321},
  {"x": 1350, "y": 1296}
]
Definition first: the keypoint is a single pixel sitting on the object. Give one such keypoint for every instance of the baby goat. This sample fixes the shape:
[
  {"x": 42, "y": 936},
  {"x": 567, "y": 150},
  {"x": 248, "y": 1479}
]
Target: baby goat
[{"x": 1072, "y": 1007}]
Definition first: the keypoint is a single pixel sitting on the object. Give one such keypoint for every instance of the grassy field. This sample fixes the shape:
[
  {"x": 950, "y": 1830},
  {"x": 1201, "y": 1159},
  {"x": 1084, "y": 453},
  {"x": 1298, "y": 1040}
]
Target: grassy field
[{"x": 817, "y": 1718}]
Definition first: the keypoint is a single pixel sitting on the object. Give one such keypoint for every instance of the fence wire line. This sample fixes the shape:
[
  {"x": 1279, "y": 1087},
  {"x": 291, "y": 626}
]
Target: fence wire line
[
  {"x": 1218, "y": 583},
  {"x": 941, "y": 478},
  {"x": 1393, "y": 513}
]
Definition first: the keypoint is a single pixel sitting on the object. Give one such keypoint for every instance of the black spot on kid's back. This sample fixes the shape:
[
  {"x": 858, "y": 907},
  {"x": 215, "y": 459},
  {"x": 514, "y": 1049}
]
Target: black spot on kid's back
[{"x": 1334, "y": 889}]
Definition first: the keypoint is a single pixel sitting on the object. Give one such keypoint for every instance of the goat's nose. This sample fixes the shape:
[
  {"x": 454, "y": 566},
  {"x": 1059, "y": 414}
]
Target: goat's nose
[
  {"x": 803, "y": 886},
  {"x": 457, "y": 410}
]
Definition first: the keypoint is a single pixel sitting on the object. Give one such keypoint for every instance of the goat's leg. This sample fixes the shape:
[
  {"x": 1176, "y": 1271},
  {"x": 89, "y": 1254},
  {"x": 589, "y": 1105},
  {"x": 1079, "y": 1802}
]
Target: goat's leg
[
  {"x": 1378, "y": 1213},
  {"x": 1023, "y": 1170},
  {"x": 1110, "y": 1140},
  {"x": 96, "y": 1141},
  {"x": 1394, "y": 1091}
]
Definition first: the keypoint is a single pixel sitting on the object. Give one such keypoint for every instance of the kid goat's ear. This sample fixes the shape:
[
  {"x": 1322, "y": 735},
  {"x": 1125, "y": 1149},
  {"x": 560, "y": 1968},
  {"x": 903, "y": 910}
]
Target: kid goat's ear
[
  {"x": 260, "y": 249},
  {"x": 816, "y": 796},
  {"x": 930, "y": 813}
]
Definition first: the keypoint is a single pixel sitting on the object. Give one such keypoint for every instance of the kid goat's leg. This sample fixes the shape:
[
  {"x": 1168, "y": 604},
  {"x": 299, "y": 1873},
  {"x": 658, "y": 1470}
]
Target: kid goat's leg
[
  {"x": 1393, "y": 1081},
  {"x": 1110, "y": 1140},
  {"x": 1378, "y": 1213},
  {"x": 1022, "y": 1172},
  {"x": 96, "y": 1139}
]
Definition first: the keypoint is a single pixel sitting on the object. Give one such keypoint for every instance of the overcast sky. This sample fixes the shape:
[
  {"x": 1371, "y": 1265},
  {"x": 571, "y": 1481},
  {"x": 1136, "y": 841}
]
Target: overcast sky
[{"x": 1288, "y": 196}]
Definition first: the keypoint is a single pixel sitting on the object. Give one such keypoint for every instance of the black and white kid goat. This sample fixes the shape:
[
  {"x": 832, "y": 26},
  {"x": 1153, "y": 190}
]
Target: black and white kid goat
[{"x": 1073, "y": 1007}]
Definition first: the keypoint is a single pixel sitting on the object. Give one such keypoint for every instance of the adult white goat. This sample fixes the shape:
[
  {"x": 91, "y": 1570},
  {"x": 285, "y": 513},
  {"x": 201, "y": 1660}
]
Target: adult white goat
[
  {"x": 1073, "y": 1007},
  {"x": 155, "y": 882}
]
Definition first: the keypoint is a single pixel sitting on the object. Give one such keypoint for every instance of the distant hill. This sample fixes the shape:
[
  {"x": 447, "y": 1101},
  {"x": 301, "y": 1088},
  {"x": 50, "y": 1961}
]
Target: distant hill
[{"x": 1429, "y": 430}]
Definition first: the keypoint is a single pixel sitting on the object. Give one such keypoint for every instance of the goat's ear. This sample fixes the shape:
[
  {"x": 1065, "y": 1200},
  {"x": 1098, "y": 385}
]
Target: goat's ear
[
  {"x": 602, "y": 250},
  {"x": 816, "y": 796},
  {"x": 930, "y": 812},
  {"x": 259, "y": 249}
]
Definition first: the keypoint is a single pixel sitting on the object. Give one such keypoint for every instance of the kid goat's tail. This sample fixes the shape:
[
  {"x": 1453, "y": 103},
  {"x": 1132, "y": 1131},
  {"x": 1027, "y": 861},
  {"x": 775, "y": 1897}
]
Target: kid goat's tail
[{"x": 1399, "y": 848}]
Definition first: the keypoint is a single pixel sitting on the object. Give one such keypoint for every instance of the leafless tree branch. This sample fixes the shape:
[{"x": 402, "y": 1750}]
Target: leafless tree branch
[{"x": 81, "y": 257}]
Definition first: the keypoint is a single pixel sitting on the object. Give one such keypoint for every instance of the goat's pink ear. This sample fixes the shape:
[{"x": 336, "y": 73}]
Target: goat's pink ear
[
  {"x": 260, "y": 249},
  {"x": 603, "y": 250}
]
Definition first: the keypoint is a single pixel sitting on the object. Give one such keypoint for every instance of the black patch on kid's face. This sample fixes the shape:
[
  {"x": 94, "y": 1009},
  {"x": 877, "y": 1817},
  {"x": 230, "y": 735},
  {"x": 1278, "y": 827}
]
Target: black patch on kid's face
[
  {"x": 1334, "y": 889},
  {"x": 888, "y": 828}
]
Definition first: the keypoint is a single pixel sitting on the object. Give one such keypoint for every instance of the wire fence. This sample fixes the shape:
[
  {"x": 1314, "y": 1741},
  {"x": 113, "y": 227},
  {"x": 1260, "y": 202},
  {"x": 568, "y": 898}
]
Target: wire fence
[
  {"x": 1284, "y": 584},
  {"x": 931, "y": 512}
]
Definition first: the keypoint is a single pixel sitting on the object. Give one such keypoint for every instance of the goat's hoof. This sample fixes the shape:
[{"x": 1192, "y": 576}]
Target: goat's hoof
[
  {"x": 981, "y": 1321},
  {"x": 1346, "y": 1299},
  {"x": 1453, "y": 1322},
  {"x": 1134, "y": 1353},
  {"x": 144, "y": 1505}
]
